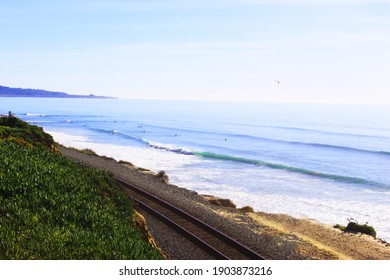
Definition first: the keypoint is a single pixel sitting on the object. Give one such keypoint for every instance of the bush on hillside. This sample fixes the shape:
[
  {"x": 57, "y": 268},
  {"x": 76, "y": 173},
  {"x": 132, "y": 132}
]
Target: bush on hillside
[
  {"x": 163, "y": 176},
  {"x": 354, "y": 227},
  {"x": 357, "y": 228},
  {"x": 12, "y": 127}
]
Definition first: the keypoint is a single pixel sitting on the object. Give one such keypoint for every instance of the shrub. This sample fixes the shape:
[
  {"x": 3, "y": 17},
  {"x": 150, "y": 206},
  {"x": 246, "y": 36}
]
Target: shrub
[
  {"x": 89, "y": 152},
  {"x": 163, "y": 176},
  {"x": 340, "y": 227},
  {"x": 247, "y": 209},
  {"x": 354, "y": 227},
  {"x": 225, "y": 202},
  {"x": 12, "y": 127},
  {"x": 357, "y": 228}
]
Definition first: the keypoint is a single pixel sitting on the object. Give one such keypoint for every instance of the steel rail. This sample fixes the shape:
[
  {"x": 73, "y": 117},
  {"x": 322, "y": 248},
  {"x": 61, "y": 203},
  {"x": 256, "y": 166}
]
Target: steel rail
[{"x": 232, "y": 243}]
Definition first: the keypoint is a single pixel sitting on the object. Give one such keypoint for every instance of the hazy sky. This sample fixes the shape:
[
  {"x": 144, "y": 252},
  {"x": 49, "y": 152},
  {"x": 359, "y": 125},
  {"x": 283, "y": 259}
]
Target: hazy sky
[{"x": 337, "y": 50}]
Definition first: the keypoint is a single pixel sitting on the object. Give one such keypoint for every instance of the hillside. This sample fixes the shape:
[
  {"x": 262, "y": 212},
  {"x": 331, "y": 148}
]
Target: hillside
[
  {"x": 21, "y": 92},
  {"x": 54, "y": 208}
]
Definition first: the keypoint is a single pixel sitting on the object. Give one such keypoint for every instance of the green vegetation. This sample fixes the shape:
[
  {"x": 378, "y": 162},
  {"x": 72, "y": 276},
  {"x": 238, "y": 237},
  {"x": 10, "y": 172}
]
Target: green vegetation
[
  {"x": 54, "y": 208},
  {"x": 15, "y": 130},
  {"x": 357, "y": 228},
  {"x": 354, "y": 227},
  {"x": 91, "y": 153},
  {"x": 340, "y": 227}
]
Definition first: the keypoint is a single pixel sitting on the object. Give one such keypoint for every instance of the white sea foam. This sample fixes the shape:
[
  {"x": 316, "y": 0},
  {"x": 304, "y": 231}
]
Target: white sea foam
[
  {"x": 35, "y": 115},
  {"x": 69, "y": 140}
]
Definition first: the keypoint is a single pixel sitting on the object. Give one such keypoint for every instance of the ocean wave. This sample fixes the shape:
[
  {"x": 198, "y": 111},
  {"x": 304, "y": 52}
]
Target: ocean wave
[
  {"x": 244, "y": 136},
  {"x": 318, "y": 145},
  {"x": 215, "y": 156},
  {"x": 334, "y": 177},
  {"x": 38, "y": 122},
  {"x": 259, "y": 138},
  {"x": 34, "y": 115},
  {"x": 169, "y": 148},
  {"x": 345, "y": 148},
  {"x": 66, "y": 116},
  {"x": 148, "y": 143},
  {"x": 218, "y": 156},
  {"x": 118, "y": 133},
  {"x": 310, "y": 130}
]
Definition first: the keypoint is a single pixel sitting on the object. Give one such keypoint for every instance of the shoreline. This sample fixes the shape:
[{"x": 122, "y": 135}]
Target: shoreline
[
  {"x": 264, "y": 189},
  {"x": 281, "y": 236}
]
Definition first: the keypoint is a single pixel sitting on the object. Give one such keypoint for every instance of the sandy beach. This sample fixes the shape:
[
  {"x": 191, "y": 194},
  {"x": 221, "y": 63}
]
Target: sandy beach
[{"x": 277, "y": 236}]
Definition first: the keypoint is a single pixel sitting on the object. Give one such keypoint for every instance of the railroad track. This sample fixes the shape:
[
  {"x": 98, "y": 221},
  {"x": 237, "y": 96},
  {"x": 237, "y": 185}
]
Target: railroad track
[{"x": 211, "y": 240}]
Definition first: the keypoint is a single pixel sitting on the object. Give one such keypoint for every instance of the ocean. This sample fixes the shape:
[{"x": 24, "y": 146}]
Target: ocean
[{"x": 327, "y": 162}]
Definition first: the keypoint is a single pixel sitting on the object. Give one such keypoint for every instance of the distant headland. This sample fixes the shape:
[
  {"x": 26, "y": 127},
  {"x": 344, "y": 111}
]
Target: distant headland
[{"x": 22, "y": 92}]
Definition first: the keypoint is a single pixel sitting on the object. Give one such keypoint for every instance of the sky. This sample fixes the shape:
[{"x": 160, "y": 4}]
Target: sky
[{"x": 320, "y": 51}]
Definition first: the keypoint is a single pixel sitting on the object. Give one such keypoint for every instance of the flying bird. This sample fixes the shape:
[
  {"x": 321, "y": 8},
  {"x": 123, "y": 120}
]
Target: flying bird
[{"x": 277, "y": 81}]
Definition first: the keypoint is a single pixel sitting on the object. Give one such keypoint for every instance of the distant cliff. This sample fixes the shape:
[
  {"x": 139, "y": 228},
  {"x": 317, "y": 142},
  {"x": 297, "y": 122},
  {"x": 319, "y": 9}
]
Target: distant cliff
[{"x": 22, "y": 92}]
